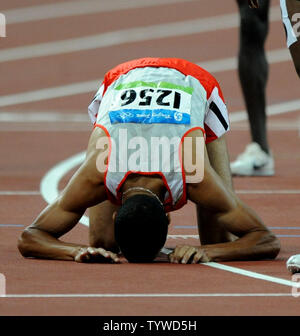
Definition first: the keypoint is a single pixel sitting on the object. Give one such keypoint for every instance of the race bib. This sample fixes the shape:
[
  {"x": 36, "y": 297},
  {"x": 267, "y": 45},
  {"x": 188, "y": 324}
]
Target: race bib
[{"x": 150, "y": 103}]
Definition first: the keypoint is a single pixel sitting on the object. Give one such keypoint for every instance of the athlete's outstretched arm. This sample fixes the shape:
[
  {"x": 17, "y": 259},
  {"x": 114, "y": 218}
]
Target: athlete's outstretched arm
[
  {"x": 218, "y": 157},
  {"x": 41, "y": 238},
  {"x": 255, "y": 241}
]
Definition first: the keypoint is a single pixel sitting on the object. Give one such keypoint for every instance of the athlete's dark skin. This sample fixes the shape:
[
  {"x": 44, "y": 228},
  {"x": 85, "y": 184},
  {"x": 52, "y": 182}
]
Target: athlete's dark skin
[{"x": 86, "y": 189}]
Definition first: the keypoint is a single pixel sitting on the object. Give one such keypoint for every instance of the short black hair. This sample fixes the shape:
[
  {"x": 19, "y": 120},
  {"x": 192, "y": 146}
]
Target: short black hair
[{"x": 141, "y": 228}]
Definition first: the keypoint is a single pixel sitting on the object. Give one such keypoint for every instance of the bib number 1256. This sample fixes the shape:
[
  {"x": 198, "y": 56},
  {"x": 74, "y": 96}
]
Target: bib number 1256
[
  {"x": 171, "y": 97},
  {"x": 151, "y": 98}
]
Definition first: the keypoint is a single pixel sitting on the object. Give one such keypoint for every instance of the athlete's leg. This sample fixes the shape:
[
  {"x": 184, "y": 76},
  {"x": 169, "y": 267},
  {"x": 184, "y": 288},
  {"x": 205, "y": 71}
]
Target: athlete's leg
[{"x": 253, "y": 67}]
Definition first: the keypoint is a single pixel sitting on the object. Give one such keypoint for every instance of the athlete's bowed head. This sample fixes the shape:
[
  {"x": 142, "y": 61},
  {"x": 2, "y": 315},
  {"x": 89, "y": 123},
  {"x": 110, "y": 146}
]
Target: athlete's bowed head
[{"x": 141, "y": 227}]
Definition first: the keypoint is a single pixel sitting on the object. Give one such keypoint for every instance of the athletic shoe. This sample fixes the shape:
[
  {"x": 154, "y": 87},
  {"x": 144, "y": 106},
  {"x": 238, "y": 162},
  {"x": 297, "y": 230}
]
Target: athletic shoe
[
  {"x": 293, "y": 264},
  {"x": 253, "y": 162}
]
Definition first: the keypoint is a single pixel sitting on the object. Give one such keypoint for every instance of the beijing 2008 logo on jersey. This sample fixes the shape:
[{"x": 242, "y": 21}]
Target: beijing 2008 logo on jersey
[{"x": 178, "y": 116}]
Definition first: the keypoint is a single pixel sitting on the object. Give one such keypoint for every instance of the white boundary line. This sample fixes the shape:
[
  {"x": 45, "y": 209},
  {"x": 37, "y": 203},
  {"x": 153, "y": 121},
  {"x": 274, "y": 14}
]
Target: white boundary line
[
  {"x": 254, "y": 275},
  {"x": 142, "y": 295}
]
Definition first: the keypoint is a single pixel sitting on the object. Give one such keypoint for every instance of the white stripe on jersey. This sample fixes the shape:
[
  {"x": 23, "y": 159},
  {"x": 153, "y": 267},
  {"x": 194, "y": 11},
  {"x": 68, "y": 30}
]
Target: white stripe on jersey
[
  {"x": 217, "y": 122},
  {"x": 94, "y": 106}
]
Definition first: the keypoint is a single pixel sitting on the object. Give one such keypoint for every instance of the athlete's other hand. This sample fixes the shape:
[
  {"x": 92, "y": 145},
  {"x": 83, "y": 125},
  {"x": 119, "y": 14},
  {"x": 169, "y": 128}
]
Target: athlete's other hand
[
  {"x": 253, "y": 3},
  {"x": 92, "y": 254},
  {"x": 185, "y": 254}
]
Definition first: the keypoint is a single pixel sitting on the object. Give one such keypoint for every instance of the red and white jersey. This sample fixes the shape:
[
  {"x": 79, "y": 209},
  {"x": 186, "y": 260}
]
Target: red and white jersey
[
  {"x": 151, "y": 97},
  {"x": 216, "y": 121}
]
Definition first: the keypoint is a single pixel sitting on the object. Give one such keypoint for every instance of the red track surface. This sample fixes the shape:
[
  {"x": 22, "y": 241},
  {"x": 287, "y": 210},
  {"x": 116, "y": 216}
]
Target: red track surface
[{"x": 29, "y": 149}]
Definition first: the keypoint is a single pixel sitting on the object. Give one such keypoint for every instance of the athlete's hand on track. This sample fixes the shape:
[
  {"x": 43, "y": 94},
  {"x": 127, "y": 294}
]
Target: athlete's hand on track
[
  {"x": 92, "y": 254},
  {"x": 184, "y": 254},
  {"x": 253, "y": 3}
]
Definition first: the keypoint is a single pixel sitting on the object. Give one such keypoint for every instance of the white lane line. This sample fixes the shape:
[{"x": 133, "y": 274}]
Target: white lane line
[
  {"x": 255, "y": 275},
  {"x": 130, "y": 35},
  {"x": 43, "y": 116},
  {"x": 66, "y": 9},
  {"x": 283, "y": 191},
  {"x": 213, "y": 66},
  {"x": 47, "y": 127},
  {"x": 19, "y": 193},
  {"x": 11, "y": 225},
  {"x": 142, "y": 295},
  {"x": 270, "y": 227},
  {"x": 275, "y": 109},
  {"x": 197, "y": 237},
  {"x": 183, "y": 236},
  {"x": 50, "y": 93},
  {"x": 231, "y": 63},
  {"x": 271, "y": 128}
]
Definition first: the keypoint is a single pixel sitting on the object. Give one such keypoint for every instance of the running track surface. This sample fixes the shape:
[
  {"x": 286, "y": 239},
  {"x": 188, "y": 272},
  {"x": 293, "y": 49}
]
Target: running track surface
[{"x": 40, "y": 129}]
